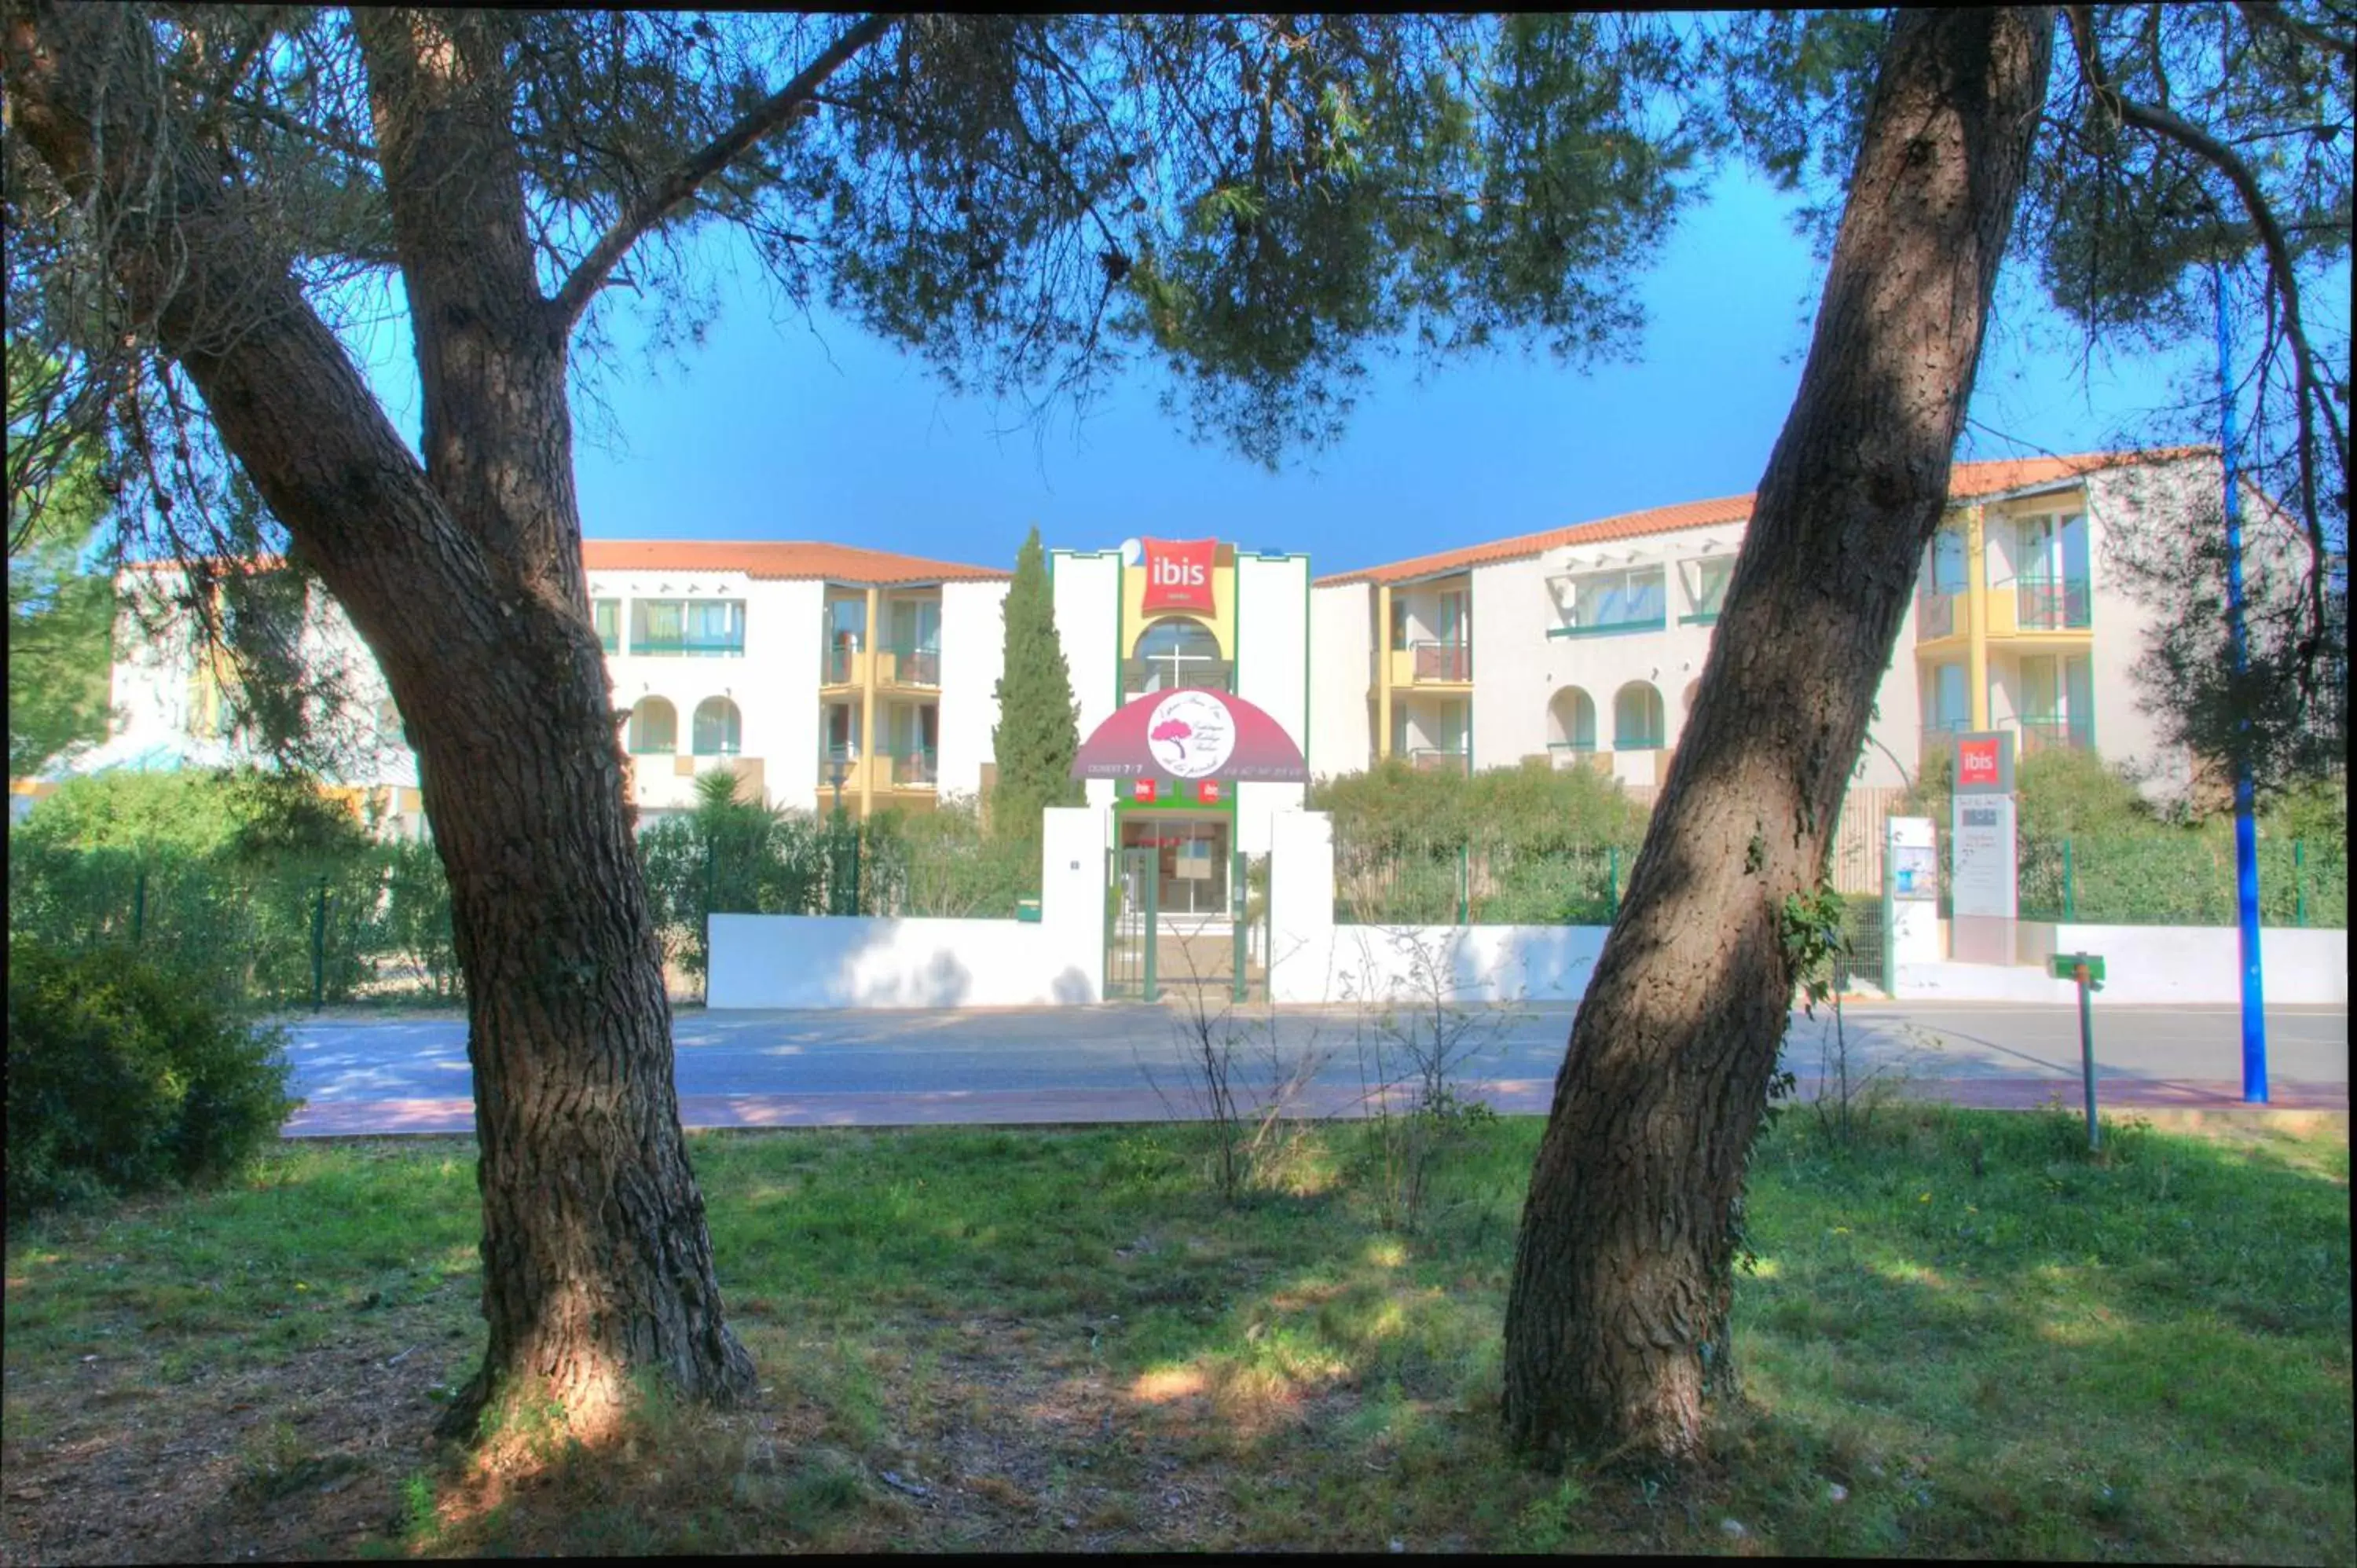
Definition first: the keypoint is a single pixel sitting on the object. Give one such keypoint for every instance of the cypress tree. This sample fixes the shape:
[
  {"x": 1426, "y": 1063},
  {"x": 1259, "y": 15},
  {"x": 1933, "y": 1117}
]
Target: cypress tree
[{"x": 1038, "y": 729}]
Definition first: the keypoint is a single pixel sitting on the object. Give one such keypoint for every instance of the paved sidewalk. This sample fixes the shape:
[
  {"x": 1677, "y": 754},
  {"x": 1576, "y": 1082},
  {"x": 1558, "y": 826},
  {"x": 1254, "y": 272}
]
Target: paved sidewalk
[{"x": 1088, "y": 1106}]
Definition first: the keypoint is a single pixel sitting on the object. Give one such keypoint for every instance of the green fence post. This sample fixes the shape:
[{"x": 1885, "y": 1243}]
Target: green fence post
[
  {"x": 1612, "y": 880},
  {"x": 2299, "y": 882},
  {"x": 139, "y": 906},
  {"x": 319, "y": 946},
  {"x": 1464, "y": 881},
  {"x": 2070, "y": 884}
]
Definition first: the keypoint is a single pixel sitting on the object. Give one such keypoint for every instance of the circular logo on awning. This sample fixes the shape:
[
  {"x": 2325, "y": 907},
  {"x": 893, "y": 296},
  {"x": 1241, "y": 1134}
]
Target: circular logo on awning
[{"x": 1191, "y": 733}]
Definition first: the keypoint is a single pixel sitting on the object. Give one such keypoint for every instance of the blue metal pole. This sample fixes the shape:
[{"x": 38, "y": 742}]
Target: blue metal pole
[{"x": 2246, "y": 834}]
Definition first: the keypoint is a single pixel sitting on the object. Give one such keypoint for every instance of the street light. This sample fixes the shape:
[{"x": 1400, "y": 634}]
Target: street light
[{"x": 838, "y": 765}]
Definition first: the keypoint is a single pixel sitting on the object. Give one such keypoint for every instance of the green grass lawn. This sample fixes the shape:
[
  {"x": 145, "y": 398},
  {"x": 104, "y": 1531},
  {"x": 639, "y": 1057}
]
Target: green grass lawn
[{"x": 1061, "y": 1341}]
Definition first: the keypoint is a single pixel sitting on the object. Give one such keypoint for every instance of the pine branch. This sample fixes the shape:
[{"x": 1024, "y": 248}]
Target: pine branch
[
  {"x": 2226, "y": 161},
  {"x": 797, "y": 97}
]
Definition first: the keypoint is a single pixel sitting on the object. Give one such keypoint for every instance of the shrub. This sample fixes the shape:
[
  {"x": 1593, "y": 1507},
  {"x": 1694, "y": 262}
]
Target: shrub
[{"x": 123, "y": 1075}]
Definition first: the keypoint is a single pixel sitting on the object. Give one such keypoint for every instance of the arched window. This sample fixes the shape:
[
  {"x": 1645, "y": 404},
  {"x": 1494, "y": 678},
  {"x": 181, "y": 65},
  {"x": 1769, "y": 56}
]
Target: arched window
[
  {"x": 1179, "y": 652},
  {"x": 1636, "y": 718},
  {"x": 718, "y": 728},
  {"x": 1571, "y": 721},
  {"x": 654, "y": 728}
]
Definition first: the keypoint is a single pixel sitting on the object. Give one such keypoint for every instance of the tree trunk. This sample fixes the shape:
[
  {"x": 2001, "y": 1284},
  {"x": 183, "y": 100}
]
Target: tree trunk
[
  {"x": 465, "y": 578},
  {"x": 1623, "y": 1277}
]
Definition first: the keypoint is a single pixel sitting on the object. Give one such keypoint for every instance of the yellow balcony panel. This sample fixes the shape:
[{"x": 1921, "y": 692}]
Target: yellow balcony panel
[
  {"x": 1432, "y": 666},
  {"x": 845, "y": 667}
]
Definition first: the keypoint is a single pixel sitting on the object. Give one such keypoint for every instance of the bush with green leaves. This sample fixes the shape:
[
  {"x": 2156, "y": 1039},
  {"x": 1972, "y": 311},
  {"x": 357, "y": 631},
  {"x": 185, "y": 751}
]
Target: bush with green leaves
[
  {"x": 124, "y": 1075},
  {"x": 2092, "y": 849},
  {"x": 1529, "y": 844}
]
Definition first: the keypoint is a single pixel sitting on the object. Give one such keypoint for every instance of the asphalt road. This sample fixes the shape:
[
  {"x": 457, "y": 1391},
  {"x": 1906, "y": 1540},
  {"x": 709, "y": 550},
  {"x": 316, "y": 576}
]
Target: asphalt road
[{"x": 1084, "y": 1053}]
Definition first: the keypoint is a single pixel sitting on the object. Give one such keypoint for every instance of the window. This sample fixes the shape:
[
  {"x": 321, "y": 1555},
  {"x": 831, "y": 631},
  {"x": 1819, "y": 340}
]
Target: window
[
  {"x": 912, "y": 737},
  {"x": 1943, "y": 570},
  {"x": 916, "y": 642},
  {"x": 1455, "y": 616},
  {"x": 1636, "y": 718},
  {"x": 846, "y": 634},
  {"x": 1399, "y": 621},
  {"x": 687, "y": 626},
  {"x": 1175, "y": 653},
  {"x": 2050, "y": 573},
  {"x": 609, "y": 614},
  {"x": 1618, "y": 601},
  {"x": 654, "y": 728},
  {"x": 1571, "y": 721},
  {"x": 1951, "y": 706},
  {"x": 1709, "y": 587},
  {"x": 718, "y": 728}
]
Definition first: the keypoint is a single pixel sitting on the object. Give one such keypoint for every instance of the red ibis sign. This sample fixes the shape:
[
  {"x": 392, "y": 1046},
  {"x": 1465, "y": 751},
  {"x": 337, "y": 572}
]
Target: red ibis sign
[{"x": 1178, "y": 574}]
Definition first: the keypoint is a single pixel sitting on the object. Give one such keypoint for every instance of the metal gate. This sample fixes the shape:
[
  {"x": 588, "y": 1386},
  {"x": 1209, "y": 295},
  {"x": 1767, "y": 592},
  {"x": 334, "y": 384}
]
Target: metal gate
[
  {"x": 1132, "y": 923},
  {"x": 1861, "y": 958}
]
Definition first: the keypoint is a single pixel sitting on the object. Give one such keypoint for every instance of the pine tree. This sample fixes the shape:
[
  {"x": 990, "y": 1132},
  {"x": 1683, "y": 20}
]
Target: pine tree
[{"x": 1038, "y": 729}]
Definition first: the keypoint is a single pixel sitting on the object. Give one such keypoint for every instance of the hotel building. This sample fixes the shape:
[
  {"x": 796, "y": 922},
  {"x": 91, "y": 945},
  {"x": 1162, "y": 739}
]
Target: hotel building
[{"x": 823, "y": 673}]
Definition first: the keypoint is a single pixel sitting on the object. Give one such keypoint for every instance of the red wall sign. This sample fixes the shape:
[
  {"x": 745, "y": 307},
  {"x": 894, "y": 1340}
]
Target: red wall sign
[
  {"x": 1977, "y": 762},
  {"x": 1178, "y": 575}
]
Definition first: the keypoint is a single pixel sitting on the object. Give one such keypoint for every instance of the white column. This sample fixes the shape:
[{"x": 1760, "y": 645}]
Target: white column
[
  {"x": 1300, "y": 906},
  {"x": 1073, "y": 897}
]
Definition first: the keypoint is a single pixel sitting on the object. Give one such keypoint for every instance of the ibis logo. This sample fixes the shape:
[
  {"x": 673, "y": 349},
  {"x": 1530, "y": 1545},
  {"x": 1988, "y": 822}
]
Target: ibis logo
[
  {"x": 1178, "y": 575},
  {"x": 1978, "y": 762}
]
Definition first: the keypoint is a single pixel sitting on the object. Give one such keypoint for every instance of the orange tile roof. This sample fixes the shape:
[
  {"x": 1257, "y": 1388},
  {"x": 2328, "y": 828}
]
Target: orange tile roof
[
  {"x": 1965, "y": 480},
  {"x": 778, "y": 558}
]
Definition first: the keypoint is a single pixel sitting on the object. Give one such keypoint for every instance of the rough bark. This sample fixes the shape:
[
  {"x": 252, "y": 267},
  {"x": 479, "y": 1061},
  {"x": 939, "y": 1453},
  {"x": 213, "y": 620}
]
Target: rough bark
[
  {"x": 1623, "y": 1274},
  {"x": 465, "y": 577}
]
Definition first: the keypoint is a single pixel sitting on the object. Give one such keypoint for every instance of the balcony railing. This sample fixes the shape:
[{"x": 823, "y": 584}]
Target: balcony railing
[
  {"x": 839, "y": 666},
  {"x": 913, "y": 665},
  {"x": 733, "y": 642},
  {"x": 2053, "y": 604},
  {"x": 2056, "y": 734},
  {"x": 914, "y": 769},
  {"x": 1935, "y": 616},
  {"x": 1437, "y": 760},
  {"x": 1443, "y": 663}
]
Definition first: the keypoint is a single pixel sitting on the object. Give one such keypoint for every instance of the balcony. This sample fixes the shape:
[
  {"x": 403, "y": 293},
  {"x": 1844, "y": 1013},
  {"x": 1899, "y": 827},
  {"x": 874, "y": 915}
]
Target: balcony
[
  {"x": 1438, "y": 759},
  {"x": 691, "y": 647},
  {"x": 2053, "y": 604},
  {"x": 1440, "y": 663},
  {"x": 2056, "y": 734},
  {"x": 901, "y": 665},
  {"x": 912, "y": 769},
  {"x": 1935, "y": 616},
  {"x": 843, "y": 666}
]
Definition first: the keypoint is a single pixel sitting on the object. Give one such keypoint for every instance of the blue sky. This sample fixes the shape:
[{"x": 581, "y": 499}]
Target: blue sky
[{"x": 777, "y": 428}]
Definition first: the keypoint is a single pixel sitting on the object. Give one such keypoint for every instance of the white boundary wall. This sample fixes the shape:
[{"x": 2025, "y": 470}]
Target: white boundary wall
[
  {"x": 2191, "y": 966},
  {"x": 1461, "y": 965},
  {"x": 822, "y": 960}
]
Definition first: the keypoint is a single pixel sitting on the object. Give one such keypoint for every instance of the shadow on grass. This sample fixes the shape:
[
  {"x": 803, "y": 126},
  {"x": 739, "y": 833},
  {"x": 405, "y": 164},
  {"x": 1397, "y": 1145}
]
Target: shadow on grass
[{"x": 974, "y": 1338}]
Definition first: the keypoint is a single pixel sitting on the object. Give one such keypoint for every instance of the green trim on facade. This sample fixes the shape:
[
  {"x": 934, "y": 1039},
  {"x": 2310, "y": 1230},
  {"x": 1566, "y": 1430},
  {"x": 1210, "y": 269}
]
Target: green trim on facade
[
  {"x": 1707, "y": 617},
  {"x": 1615, "y": 629}
]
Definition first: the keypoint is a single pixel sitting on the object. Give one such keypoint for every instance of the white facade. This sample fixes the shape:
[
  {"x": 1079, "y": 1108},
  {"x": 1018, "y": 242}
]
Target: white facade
[
  {"x": 1586, "y": 647},
  {"x": 1582, "y": 646}
]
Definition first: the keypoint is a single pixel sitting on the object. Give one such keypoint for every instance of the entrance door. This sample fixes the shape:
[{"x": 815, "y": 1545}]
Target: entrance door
[{"x": 1191, "y": 862}]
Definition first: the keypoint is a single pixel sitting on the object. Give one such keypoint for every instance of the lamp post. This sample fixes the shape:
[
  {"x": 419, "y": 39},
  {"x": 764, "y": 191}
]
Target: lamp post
[{"x": 838, "y": 765}]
